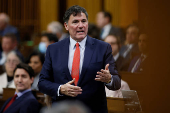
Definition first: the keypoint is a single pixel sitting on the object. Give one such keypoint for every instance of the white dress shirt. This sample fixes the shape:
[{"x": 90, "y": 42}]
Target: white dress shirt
[
  {"x": 116, "y": 56},
  {"x": 106, "y": 30},
  {"x": 129, "y": 47}
]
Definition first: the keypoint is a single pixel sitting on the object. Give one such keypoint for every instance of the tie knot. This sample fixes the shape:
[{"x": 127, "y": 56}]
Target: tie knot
[
  {"x": 77, "y": 44},
  {"x": 15, "y": 96}
]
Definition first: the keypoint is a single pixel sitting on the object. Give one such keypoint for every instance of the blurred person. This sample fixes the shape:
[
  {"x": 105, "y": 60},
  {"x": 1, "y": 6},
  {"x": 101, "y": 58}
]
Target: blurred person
[
  {"x": 9, "y": 43},
  {"x": 93, "y": 31},
  {"x": 46, "y": 40},
  {"x": 5, "y": 27},
  {"x": 117, "y": 93},
  {"x": 67, "y": 107},
  {"x": 56, "y": 28},
  {"x": 114, "y": 41},
  {"x": 103, "y": 21},
  {"x": 78, "y": 67},
  {"x": 132, "y": 35},
  {"x": 139, "y": 61},
  {"x": 36, "y": 60},
  {"x": 6, "y": 79},
  {"x": 23, "y": 101}
]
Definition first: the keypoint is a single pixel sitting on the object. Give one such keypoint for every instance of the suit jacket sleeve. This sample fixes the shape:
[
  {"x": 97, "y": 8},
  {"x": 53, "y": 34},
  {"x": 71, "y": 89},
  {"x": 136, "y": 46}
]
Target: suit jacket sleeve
[
  {"x": 116, "y": 79},
  {"x": 46, "y": 84}
]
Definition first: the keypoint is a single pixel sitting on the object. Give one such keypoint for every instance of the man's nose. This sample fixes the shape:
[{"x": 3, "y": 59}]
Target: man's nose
[
  {"x": 80, "y": 24},
  {"x": 20, "y": 79}
]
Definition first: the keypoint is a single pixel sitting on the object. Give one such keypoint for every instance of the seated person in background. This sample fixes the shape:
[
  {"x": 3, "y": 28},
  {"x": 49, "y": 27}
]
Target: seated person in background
[
  {"x": 6, "y": 79},
  {"x": 5, "y": 27},
  {"x": 23, "y": 100},
  {"x": 93, "y": 31},
  {"x": 132, "y": 35},
  {"x": 36, "y": 61},
  {"x": 46, "y": 40},
  {"x": 56, "y": 28},
  {"x": 114, "y": 41},
  {"x": 139, "y": 61},
  {"x": 104, "y": 22},
  {"x": 117, "y": 93},
  {"x": 9, "y": 43}
]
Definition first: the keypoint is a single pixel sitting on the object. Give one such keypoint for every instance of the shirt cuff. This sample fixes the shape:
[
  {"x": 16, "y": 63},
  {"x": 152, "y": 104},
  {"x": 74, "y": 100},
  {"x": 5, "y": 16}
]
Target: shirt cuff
[{"x": 58, "y": 92}]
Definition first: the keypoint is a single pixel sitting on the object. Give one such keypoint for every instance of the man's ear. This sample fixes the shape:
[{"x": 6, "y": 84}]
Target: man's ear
[
  {"x": 66, "y": 26},
  {"x": 32, "y": 80}
]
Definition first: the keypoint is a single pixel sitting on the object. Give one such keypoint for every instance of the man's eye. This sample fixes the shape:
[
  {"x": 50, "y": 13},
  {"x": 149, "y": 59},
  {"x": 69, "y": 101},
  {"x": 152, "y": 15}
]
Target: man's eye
[{"x": 75, "y": 21}]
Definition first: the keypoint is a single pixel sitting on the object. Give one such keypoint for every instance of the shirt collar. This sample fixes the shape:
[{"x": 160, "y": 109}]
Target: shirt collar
[
  {"x": 116, "y": 56},
  {"x": 19, "y": 94},
  {"x": 82, "y": 43}
]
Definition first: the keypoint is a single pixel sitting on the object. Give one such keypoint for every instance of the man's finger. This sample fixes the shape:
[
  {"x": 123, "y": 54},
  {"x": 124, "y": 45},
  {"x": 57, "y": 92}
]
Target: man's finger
[
  {"x": 107, "y": 67},
  {"x": 72, "y": 81}
]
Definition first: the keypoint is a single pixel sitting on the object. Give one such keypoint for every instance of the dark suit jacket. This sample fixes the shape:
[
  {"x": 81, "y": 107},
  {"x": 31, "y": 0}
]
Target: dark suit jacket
[
  {"x": 55, "y": 72},
  {"x": 27, "y": 103},
  {"x": 121, "y": 66},
  {"x": 141, "y": 66},
  {"x": 131, "y": 53}
]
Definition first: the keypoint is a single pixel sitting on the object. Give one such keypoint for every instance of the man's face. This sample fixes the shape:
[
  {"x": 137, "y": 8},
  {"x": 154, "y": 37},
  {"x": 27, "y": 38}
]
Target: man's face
[
  {"x": 11, "y": 62},
  {"x": 142, "y": 43},
  {"x": 100, "y": 20},
  {"x": 77, "y": 26},
  {"x": 132, "y": 35},
  {"x": 22, "y": 80},
  {"x": 7, "y": 44},
  {"x": 113, "y": 42}
]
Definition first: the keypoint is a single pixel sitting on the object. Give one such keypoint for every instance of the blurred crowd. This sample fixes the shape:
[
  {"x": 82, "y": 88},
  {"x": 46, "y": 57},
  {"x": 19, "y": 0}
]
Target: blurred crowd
[{"x": 129, "y": 48}]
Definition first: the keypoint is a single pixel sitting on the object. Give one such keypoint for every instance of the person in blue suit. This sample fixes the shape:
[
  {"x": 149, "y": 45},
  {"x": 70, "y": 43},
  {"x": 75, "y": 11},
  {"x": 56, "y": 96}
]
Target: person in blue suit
[
  {"x": 24, "y": 100},
  {"x": 96, "y": 66}
]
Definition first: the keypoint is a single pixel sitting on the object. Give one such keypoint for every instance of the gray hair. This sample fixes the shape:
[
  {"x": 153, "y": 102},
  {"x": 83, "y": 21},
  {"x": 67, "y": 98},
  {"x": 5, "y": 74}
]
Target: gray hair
[
  {"x": 14, "y": 53},
  {"x": 56, "y": 27},
  {"x": 67, "y": 107}
]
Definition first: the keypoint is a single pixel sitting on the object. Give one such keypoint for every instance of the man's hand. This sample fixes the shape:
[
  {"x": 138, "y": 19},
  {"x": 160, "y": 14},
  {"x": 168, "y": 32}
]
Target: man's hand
[
  {"x": 70, "y": 90},
  {"x": 104, "y": 75}
]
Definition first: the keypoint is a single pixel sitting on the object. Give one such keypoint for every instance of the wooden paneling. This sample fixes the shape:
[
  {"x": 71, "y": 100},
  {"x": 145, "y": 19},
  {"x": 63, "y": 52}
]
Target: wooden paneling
[
  {"x": 49, "y": 12},
  {"x": 128, "y": 12},
  {"x": 24, "y": 14},
  {"x": 124, "y": 12},
  {"x": 91, "y": 6}
]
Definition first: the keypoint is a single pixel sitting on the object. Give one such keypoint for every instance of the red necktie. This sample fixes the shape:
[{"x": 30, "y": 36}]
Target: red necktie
[
  {"x": 76, "y": 64},
  {"x": 10, "y": 102}
]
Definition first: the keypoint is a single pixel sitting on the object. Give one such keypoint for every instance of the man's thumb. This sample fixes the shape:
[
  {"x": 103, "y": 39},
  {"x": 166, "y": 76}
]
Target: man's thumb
[
  {"x": 107, "y": 67},
  {"x": 72, "y": 81}
]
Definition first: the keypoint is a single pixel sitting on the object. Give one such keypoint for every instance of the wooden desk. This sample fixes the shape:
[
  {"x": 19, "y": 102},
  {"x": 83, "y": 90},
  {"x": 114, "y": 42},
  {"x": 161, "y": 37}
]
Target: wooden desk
[{"x": 115, "y": 105}]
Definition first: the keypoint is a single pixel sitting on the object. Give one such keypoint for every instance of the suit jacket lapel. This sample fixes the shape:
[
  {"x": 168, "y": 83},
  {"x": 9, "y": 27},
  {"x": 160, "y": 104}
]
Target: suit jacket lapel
[
  {"x": 65, "y": 55},
  {"x": 87, "y": 57},
  {"x": 16, "y": 102},
  {"x": 5, "y": 105}
]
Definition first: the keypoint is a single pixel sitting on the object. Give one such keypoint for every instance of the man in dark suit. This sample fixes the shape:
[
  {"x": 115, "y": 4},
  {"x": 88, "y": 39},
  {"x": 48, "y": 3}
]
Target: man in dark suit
[
  {"x": 103, "y": 21},
  {"x": 79, "y": 67},
  {"x": 9, "y": 43},
  {"x": 131, "y": 48},
  {"x": 23, "y": 101},
  {"x": 114, "y": 41},
  {"x": 6, "y": 28},
  {"x": 138, "y": 62}
]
